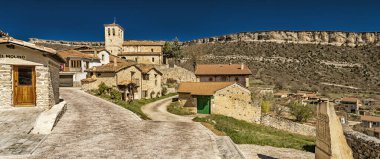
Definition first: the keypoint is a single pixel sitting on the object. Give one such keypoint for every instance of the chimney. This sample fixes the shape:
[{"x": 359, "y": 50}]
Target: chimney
[
  {"x": 242, "y": 66},
  {"x": 115, "y": 61}
]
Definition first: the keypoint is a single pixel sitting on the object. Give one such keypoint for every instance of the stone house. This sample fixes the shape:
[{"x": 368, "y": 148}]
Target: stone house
[
  {"x": 73, "y": 71},
  {"x": 103, "y": 55},
  {"x": 349, "y": 104},
  {"x": 142, "y": 52},
  {"x": 223, "y": 73},
  {"x": 29, "y": 74},
  {"x": 134, "y": 81},
  {"x": 372, "y": 125},
  {"x": 226, "y": 98}
]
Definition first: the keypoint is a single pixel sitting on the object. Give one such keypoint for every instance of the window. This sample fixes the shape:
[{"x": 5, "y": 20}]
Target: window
[
  {"x": 113, "y": 31},
  {"x": 155, "y": 82},
  {"x": 210, "y": 79},
  {"x": 152, "y": 59},
  {"x": 146, "y": 77},
  {"x": 132, "y": 73},
  {"x": 25, "y": 76},
  {"x": 102, "y": 57},
  {"x": 109, "y": 31},
  {"x": 75, "y": 63},
  {"x": 224, "y": 78},
  {"x": 136, "y": 59},
  {"x": 237, "y": 79},
  {"x": 151, "y": 50},
  {"x": 144, "y": 94}
]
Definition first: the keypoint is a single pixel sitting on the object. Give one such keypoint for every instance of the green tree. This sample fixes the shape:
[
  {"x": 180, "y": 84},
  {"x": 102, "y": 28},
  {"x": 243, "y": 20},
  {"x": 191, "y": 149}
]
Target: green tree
[
  {"x": 172, "y": 49},
  {"x": 301, "y": 112}
]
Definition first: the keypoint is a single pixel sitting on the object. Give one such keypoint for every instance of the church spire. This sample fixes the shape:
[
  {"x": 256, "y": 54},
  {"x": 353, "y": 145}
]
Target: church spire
[{"x": 114, "y": 20}]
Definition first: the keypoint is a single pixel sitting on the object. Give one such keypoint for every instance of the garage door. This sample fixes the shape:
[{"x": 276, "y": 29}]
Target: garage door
[{"x": 66, "y": 80}]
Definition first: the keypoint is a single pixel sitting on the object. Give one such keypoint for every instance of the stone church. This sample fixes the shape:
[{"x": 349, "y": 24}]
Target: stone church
[{"x": 142, "y": 52}]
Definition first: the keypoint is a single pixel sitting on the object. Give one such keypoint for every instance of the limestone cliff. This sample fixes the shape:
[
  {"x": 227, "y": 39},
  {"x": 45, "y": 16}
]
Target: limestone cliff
[
  {"x": 65, "y": 43},
  {"x": 336, "y": 38}
]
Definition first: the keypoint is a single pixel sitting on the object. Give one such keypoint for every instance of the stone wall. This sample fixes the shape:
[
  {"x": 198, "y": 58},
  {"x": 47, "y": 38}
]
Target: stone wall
[
  {"x": 151, "y": 86},
  {"x": 336, "y": 38},
  {"x": 363, "y": 146},
  {"x": 5, "y": 86},
  {"x": 287, "y": 125},
  {"x": 44, "y": 92},
  {"x": 235, "y": 101},
  {"x": 177, "y": 73},
  {"x": 145, "y": 59}
]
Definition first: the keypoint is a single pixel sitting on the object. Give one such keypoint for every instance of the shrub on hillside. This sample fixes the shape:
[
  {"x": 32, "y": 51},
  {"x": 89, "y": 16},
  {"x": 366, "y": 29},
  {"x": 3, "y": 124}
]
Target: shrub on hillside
[
  {"x": 115, "y": 95},
  {"x": 301, "y": 112}
]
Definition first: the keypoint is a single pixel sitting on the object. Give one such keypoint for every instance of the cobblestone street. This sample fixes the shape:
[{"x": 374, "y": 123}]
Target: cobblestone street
[
  {"x": 15, "y": 124},
  {"x": 94, "y": 128}
]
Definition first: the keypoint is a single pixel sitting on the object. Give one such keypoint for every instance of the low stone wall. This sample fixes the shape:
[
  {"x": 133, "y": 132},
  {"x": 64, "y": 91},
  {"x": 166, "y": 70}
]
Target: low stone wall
[
  {"x": 363, "y": 146},
  {"x": 177, "y": 73},
  {"x": 287, "y": 125}
]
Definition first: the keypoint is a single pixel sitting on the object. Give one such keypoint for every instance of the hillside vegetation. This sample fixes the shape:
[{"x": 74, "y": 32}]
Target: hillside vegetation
[{"x": 297, "y": 66}]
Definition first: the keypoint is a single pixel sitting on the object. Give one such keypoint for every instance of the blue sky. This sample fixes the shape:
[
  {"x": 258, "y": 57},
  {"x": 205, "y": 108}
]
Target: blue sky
[{"x": 166, "y": 19}]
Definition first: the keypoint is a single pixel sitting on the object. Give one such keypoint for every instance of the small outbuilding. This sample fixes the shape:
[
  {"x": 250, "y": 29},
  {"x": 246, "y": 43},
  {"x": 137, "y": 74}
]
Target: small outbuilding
[
  {"x": 29, "y": 74},
  {"x": 225, "y": 98}
]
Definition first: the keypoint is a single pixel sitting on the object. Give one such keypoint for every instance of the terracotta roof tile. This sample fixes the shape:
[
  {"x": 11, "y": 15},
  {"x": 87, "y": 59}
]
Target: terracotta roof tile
[
  {"x": 111, "y": 67},
  {"x": 370, "y": 118},
  {"x": 202, "y": 88},
  {"x": 222, "y": 69},
  {"x": 73, "y": 53},
  {"x": 349, "y": 99}
]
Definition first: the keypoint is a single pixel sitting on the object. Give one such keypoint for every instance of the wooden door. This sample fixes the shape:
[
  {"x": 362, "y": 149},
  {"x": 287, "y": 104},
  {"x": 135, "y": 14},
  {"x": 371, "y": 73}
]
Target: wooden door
[{"x": 24, "y": 86}]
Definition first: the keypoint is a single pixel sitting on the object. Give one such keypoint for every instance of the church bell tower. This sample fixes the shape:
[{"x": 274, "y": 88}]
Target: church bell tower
[{"x": 114, "y": 38}]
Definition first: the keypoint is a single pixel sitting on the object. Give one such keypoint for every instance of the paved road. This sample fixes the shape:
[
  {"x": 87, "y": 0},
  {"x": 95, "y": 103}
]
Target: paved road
[
  {"x": 157, "y": 111},
  {"x": 94, "y": 128},
  {"x": 15, "y": 124}
]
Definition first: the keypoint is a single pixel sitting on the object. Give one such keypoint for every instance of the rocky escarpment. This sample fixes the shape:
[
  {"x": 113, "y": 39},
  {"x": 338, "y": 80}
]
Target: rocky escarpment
[
  {"x": 336, "y": 38},
  {"x": 61, "y": 44}
]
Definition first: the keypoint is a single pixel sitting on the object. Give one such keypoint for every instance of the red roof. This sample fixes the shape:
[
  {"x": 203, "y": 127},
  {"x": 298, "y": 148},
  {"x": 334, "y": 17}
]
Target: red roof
[{"x": 222, "y": 69}]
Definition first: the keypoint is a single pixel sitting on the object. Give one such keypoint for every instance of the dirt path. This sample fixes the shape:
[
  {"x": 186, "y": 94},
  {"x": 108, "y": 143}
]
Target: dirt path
[
  {"x": 157, "y": 111},
  {"x": 94, "y": 128}
]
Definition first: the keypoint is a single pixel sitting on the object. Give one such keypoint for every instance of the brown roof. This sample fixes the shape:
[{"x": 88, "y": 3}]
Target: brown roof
[
  {"x": 222, "y": 69},
  {"x": 73, "y": 53},
  {"x": 32, "y": 46},
  {"x": 375, "y": 129},
  {"x": 202, "y": 88},
  {"x": 143, "y": 42},
  {"x": 125, "y": 82},
  {"x": 145, "y": 68},
  {"x": 110, "y": 67},
  {"x": 370, "y": 118},
  {"x": 349, "y": 99}
]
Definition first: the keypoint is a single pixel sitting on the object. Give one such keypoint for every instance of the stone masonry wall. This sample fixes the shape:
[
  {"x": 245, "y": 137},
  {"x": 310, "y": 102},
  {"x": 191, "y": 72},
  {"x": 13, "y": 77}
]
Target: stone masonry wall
[
  {"x": 54, "y": 74},
  {"x": 234, "y": 101},
  {"x": 363, "y": 146},
  {"x": 287, "y": 125},
  {"x": 5, "y": 86},
  {"x": 178, "y": 73},
  {"x": 44, "y": 88}
]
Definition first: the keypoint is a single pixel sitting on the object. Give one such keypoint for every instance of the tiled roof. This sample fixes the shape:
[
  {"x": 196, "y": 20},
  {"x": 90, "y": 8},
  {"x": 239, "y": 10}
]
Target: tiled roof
[
  {"x": 143, "y": 42},
  {"x": 32, "y": 46},
  {"x": 349, "y": 99},
  {"x": 202, "y": 88},
  {"x": 145, "y": 68},
  {"x": 375, "y": 129},
  {"x": 73, "y": 53},
  {"x": 370, "y": 118},
  {"x": 222, "y": 69},
  {"x": 88, "y": 80},
  {"x": 27, "y": 44},
  {"x": 110, "y": 67}
]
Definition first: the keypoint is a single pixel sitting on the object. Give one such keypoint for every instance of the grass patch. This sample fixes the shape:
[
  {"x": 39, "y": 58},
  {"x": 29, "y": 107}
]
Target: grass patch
[
  {"x": 175, "y": 108},
  {"x": 135, "y": 106},
  {"x": 242, "y": 132}
]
